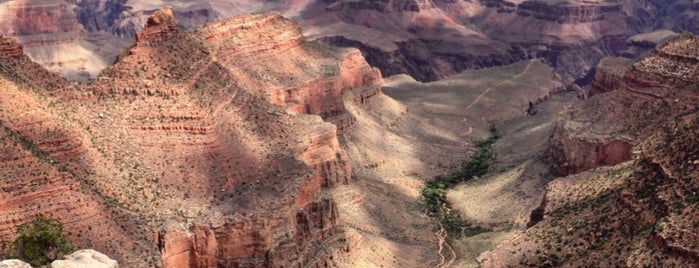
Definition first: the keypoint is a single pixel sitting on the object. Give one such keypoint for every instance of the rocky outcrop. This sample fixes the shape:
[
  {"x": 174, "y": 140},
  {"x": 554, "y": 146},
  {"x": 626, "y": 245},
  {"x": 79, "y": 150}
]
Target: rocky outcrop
[
  {"x": 275, "y": 240},
  {"x": 159, "y": 26},
  {"x": 14, "y": 264},
  {"x": 567, "y": 12},
  {"x": 649, "y": 203},
  {"x": 9, "y": 47},
  {"x": 41, "y": 23},
  {"x": 231, "y": 180},
  {"x": 249, "y": 35},
  {"x": 237, "y": 42},
  {"x": 572, "y": 155},
  {"x": 20, "y": 68},
  {"x": 634, "y": 99},
  {"x": 609, "y": 75},
  {"x": 87, "y": 258}
]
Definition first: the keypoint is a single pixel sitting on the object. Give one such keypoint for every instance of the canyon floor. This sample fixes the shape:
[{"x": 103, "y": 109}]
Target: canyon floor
[{"x": 419, "y": 130}]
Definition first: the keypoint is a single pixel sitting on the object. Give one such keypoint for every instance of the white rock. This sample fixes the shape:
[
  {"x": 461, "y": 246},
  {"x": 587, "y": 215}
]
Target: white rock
[
  {"x": 14, "y": 264},
  {"x": 85, "y": 258}
]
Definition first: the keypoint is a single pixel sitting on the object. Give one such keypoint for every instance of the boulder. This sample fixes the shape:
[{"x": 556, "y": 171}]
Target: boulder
[
  {"x": 14, "y": 264},
  {"x": 85, "y": 258}
]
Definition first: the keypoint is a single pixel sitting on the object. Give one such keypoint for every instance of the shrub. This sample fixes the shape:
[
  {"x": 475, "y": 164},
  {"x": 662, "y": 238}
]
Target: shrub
[
  {"x": 477, "y": 165},
  {"x": 40, "y": 242},
  {"x": 434, "y": 193}
]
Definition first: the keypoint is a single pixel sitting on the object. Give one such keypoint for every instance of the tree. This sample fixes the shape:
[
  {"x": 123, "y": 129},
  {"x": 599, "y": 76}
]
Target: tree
[{"x": 40, "y": 242}]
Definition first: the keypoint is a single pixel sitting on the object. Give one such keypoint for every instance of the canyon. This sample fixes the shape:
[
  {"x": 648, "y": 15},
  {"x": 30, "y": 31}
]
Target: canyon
[
  {"x": 203, "y": 139},
  {"x": 194, "y": 195},
  {"x": 429, "y": 40},
  {"x": 53, "y": 36},
  {"x": 208, "y": 148},
  {"x": 630, "y": 155}
]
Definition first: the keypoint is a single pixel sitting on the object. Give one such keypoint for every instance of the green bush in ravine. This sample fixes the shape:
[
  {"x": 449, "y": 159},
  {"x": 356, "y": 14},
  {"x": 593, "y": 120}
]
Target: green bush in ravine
[
  {"x": 40, "y": 242},
  {"x": 434, "y": 193}
]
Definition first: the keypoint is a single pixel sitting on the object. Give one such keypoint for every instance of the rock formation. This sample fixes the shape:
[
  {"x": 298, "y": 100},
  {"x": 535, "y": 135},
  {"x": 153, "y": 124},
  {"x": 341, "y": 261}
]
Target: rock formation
[
  {"x": 231, "y": 180},
  {"x": 635, "y": 214},
  {"x": 639, "y": 97},
  {"x": 10, "y": 48},
  {"x": 52, "y": 36},
  {"x": 14, "y": 264},
  {"x": 40, "y": 23},
  {"x": 87, "y": 258},
  {"x": 160, "y": 25},
  {"x": 632, "y": 213},
  {"x": 428, "y": 40}
]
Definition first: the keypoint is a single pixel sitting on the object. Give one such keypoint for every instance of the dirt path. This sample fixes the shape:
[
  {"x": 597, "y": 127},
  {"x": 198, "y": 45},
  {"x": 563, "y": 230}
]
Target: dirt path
[
  {"x": 442, "y": 244},
  {"x": 499, "y": 84}
]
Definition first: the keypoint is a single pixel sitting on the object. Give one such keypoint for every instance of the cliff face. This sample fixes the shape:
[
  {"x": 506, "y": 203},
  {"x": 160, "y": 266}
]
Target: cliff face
[
  {"x": 231, "y": 179},
  {"x": 568, "y": 12},
  {"x": 640, "y": 213},
  {"x": 427, "y": 39},
  {"x": 53, "y": 37},
  {"x": 629, "y": 101},
  {"x": 636, "y": 213},
  {"x": 160, "y": 25},
  {"x": 382, "y": 5},
  {"x": 46, "y": 169},
  {"x": 313, "y": 83},
  {"x": 40, "y": 23},
  {"x": 10, "y": 48}
]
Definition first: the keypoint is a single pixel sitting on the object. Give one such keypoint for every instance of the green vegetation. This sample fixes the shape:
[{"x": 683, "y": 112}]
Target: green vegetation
[
  {"x": 434, "y": 193},
  {"x": 40, "y": 242}
]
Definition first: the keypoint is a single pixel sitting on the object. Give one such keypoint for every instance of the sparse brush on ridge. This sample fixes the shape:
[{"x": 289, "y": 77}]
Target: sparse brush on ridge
[
  {"x": 434, "y": 194},
  {"x": 39, "y": 242}
]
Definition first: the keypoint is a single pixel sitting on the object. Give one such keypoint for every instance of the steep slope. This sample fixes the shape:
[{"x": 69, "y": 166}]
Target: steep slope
[
  {"x": 428, "y": 40},
  {"x": 640, "y": 213},
  {"x": 641, "y": 96},
  {"x": 413, "y": 132},
  {"x": 41, "y": 166},
  {"x": 634, "y": 213},
  {"x": 193, "y": 168},
  {"x": 53, "y": 37}
]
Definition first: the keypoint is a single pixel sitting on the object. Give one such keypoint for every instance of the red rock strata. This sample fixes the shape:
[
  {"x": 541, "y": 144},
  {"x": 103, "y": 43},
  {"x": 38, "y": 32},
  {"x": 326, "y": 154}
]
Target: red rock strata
[
  {"x": 160, "y": 25},
  {"x": 630, "y": 100},
  {"x": 640, "y": 213},
  {"x": 179, "y": 149},
  {"x": 9, "y": 47},
  {"x": 39, "y": 23},
  {"x": 314, "y": 82}
]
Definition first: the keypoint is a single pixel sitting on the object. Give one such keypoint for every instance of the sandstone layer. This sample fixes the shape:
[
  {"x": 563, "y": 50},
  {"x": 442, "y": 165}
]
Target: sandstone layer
[
  {"x": 639, "y": 213},
  {"x": 54, "y": 37},
  {"x": 428, "y": 40},
  {"x": 632, "y": 213},
  {"x": 176, "y": 155},
  {"x": 638, "y": 97}
]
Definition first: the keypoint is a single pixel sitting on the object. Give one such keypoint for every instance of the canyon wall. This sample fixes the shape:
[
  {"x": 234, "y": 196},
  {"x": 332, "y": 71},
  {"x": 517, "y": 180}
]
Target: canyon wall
[
  {"x": 10, "y": 48},
  {"x": 54, "y": 37},
  {"x": 639, "y": 213},
  {"x": 40, "y": 23},
  {"x": 629, "y": 101},
  {"x": 428, "y": 40},
  {"x": 236, "y": 176}
]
